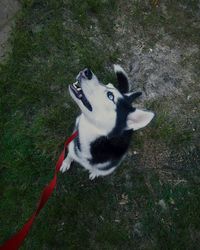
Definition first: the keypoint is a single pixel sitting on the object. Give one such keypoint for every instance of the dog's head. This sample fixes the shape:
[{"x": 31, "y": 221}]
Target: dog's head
[{"x": 109, "y": 108}]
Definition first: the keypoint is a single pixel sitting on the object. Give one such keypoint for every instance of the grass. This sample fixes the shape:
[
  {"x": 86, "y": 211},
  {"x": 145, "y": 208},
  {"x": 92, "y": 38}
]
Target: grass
[{"x": 148, "y": 203}]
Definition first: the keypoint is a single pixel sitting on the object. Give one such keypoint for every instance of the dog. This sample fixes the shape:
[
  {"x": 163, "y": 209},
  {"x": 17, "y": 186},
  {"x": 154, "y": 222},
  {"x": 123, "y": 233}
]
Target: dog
[{"x": 106, "y": 123}]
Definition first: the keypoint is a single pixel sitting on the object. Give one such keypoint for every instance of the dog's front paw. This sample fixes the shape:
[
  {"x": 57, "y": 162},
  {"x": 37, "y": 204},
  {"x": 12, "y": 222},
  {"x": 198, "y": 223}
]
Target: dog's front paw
[{"x": 66, "y": 165}]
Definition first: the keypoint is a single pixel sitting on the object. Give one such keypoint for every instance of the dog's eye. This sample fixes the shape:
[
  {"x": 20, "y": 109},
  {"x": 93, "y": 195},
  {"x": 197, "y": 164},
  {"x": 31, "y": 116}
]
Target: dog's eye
[{"x": 110, "y": 96}]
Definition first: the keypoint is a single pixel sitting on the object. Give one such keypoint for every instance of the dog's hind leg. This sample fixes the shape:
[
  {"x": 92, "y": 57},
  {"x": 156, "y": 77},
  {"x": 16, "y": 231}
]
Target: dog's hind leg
[{"x": 66, "y": 163}]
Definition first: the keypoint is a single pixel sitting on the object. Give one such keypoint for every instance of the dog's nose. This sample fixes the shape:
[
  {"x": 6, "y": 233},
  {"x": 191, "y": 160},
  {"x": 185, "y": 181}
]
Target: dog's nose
[{"x": 88, "y": 73}]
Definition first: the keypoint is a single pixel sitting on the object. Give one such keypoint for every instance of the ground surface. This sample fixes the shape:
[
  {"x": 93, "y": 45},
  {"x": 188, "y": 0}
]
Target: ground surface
[
  {"x": 8, "y": 10},
  {"x": 152, "y": 201}
]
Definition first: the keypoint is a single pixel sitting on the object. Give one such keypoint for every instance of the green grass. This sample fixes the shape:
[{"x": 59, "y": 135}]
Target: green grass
[{"x": 51, "y": 42}]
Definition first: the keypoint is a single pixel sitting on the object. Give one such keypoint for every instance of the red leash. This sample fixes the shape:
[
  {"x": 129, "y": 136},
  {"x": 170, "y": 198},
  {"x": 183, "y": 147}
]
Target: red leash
[{"x": 16, "y": 240}]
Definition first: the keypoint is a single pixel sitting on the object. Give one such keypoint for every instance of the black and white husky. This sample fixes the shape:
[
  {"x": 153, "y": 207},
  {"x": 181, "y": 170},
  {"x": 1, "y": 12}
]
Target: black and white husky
[{"x": 106, "y": 123}]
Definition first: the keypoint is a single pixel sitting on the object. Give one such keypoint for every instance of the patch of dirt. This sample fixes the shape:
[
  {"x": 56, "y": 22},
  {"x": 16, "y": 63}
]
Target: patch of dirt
[
  {"x": 152, "y": 56},
  {"x": 166, "y": 69},
  {"x": 8, "y": 10},
  {"x": 158, "y": 72}
]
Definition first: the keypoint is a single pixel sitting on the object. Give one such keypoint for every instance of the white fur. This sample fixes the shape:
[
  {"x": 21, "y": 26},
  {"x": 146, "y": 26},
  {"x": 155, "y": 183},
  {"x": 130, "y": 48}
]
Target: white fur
[
  {"x": 118, "y": 68},
  {"x": 99, "y": 122},
  {"x": 139, "y": 119},
  {"x": 87, "y": 133},
  {"x": 66, "y": 163},
  {"x": 96, "y": 173}
]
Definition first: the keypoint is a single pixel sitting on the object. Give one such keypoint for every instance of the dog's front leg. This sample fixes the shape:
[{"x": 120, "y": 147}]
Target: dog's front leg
[{"x": 66, "y": 163}]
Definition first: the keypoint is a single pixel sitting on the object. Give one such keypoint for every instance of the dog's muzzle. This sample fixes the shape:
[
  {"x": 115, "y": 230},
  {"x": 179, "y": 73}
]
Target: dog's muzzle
[{"x": 77, "y": 90}]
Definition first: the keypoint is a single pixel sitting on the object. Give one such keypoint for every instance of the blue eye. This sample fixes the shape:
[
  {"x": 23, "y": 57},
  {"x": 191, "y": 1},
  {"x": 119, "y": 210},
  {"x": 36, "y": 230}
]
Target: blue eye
[{"x": 110, "y": 96}]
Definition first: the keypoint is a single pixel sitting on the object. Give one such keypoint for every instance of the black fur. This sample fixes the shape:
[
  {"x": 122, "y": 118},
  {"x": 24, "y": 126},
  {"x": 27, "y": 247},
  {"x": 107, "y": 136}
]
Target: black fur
[
  {"x": 86, "y": 103},
  {"x": 132, "y": 97},
  {"x": 123, "y": 109},
  {"x": 77, "y": 144},
  {"x": 113, "y": 149},
  {"x": 114, "y": 146},
  {"x": 123, "y": 85},
  {"x": 88, "y": 73}
]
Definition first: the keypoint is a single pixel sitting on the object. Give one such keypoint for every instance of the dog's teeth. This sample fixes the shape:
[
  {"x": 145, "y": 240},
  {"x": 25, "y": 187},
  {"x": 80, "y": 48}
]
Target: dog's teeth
[{"x": 76, "y": 85}]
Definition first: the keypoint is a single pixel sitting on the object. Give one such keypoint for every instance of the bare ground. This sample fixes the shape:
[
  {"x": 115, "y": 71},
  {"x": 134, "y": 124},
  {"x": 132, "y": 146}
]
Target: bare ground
[
  {"x": 8, "y": 10},
  {"x": 162, "y": 60}
]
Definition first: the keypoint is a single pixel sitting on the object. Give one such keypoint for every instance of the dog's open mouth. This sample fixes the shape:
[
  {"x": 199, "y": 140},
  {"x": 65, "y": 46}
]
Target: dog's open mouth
[{"x": 78, "y": 92}]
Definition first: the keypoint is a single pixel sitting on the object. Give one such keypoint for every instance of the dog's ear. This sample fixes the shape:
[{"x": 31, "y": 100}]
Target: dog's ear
[
  {"x": 122, "y": 78},
  {"x": 130, "y": 97},
  {"x": 139, "y": 119}
]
